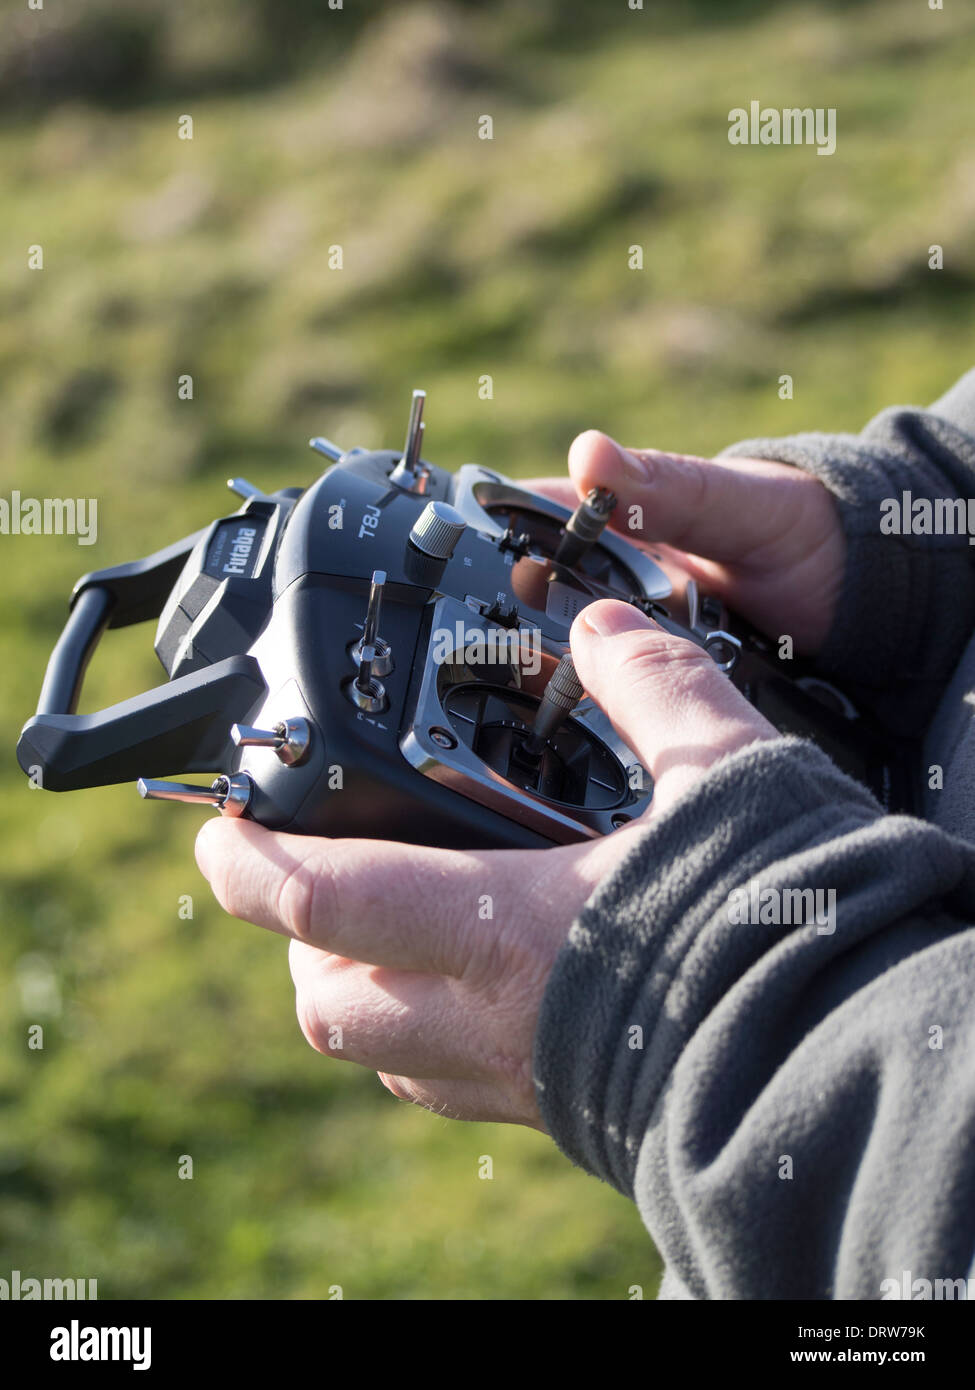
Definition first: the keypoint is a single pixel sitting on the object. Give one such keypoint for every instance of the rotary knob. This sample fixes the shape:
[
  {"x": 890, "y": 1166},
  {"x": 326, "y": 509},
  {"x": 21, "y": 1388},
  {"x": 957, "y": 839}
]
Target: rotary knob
[{"x": 437, "y": 530}]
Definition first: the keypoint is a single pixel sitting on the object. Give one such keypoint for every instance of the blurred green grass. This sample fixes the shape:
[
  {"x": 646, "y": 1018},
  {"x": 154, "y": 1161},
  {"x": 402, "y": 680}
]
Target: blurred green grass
[{"x": 462, "y": 257}]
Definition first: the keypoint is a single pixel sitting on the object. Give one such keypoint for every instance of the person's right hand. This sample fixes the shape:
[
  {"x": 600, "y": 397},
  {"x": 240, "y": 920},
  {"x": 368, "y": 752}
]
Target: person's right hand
[{"x": 764, "y": 537}]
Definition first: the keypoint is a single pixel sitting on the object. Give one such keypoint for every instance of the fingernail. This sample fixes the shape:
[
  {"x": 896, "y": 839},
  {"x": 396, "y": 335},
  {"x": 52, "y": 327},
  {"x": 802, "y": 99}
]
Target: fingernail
[{"x": 609, "y": 618}]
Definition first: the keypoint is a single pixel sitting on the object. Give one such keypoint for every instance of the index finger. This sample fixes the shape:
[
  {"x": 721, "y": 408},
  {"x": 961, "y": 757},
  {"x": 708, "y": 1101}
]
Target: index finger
[{"x": 405, "y": 907}]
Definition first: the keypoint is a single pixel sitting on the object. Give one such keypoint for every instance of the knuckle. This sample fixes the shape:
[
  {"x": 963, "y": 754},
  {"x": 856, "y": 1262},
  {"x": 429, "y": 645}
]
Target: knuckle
[
  {"x": 301, "y": 898},
  {"x": 699, "y": 476},
  {"x": 227, "y": 890},
  {"x": 481, "y": 950},
  {"x": 652, "y": 659},
  {"x": 694, "y": 486}
]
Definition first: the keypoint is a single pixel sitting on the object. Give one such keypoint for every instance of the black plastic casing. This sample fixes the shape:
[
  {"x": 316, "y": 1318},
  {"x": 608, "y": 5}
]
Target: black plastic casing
[{"x": 355, "y": 780}]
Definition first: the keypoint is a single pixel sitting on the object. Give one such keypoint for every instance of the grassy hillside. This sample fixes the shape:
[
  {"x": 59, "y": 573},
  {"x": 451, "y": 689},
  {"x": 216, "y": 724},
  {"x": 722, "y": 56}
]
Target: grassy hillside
[{"x": 461, "y": 258}]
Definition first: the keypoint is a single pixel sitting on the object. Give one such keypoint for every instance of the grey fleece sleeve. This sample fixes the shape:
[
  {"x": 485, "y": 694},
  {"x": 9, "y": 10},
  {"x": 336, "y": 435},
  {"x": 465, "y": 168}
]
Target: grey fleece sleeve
[
  {"x": 792, "y": 1104},
  {"x": 907, "y": 607},
  {"x": 792, "y": 1107}
]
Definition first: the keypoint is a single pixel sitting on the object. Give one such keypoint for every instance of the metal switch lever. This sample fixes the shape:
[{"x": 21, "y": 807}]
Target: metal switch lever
[
  {"x": 383, "y": 662},
  {"x": 321, "y": 445},
  {"x": 366, "y": 690},
  {"x": 244, "y": 489},
  {"x": 230, "y": 794},
  {"x": 561, "y": 695},
  {"x": 289, "y": 740},
  {"x": 410, "y": 474}
]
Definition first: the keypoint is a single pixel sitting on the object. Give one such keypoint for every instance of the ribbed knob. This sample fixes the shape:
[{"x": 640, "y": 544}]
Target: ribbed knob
[
  {"x": 437, "y": 530},
  {"x": 561, "y": 695},
  {"x": 564, "y": 688},
  {"x": 584, "y": 527}
]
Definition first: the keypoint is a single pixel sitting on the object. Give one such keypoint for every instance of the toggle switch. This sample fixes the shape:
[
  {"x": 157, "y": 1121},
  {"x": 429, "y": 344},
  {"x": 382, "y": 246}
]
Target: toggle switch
[
  {"x": 244, "y": 489},
  {"x": 518, "y": 542},
  {"x": 324, "y": 446},
  {"x": 584, "y": 527},
  {"x": 410, "y": 474},
  {"x": 230, "y": 794},
  {"x": 724, "y": 649},
  {"x": 367, "y": 691},
  {"x": 504, "y": 614},
  {"x": 561, "y": 695},
  {"x": 289, "y": 740},
  {"x": 383, "y": 663}
]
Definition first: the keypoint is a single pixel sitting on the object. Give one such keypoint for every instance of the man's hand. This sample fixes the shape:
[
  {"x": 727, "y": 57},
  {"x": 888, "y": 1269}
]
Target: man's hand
[
  {"x": 429, "y": 965},
  {"x": 762, "y": 536}
]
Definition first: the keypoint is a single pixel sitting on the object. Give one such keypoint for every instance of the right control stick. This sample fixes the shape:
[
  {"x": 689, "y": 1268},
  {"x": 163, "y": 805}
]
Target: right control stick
[
  {"x": 562, "y": 694},
  {"x": 584, "y": 527}
]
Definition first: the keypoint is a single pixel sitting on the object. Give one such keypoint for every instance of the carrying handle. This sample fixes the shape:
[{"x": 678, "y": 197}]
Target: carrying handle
[
  {"x": 180, "y": 726},
  {"x": 113, "y": 597},
  {"x": 183, "y": 726},
  {"x": 72, "y": 652}
]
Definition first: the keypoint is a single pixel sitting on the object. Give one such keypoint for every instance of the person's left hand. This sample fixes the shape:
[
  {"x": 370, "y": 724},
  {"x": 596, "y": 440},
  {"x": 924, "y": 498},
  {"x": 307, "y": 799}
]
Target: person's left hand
[{"x": 429, "y": 965}]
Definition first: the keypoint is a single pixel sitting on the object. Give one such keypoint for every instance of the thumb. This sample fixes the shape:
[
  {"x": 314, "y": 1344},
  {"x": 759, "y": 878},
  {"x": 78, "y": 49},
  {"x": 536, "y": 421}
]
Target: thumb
[
  {"x": 664, "y": 695},
  {"x": 724, "y": 509}
]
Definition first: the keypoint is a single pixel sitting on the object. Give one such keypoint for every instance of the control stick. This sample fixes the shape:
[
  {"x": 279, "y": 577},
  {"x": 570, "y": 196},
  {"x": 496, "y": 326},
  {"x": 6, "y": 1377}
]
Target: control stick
[
  {"x": 584, "y": 527},
  {"x": 561, "y": 695}
]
